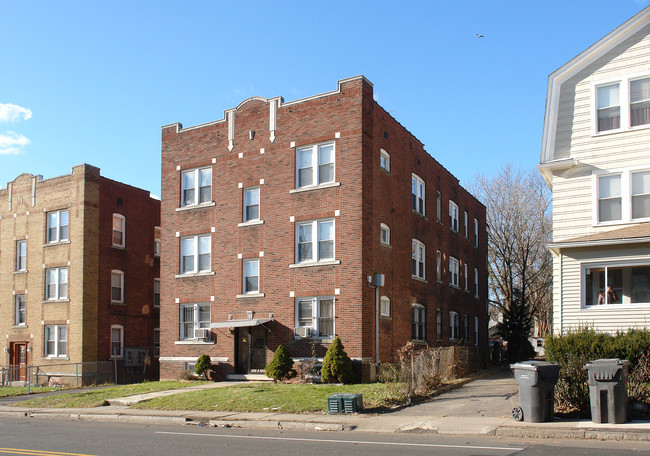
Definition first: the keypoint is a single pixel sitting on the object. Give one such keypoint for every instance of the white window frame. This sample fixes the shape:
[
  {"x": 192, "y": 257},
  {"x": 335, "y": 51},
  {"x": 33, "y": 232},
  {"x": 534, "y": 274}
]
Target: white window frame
[
  {"x": 418, "y": 322},
  {"x": 196, "y": 200},
  {"x": 587, "y": 267},
  {"x": 454, "y": 325},
  {"x": 465, "y": 277},
  {"x": 59, "y": 339},
  {"x": 384, "y": 160},
  {"x": 120, "y": 341},
  {"x": 21, "y": 255},
  {"x": 314, "y": 152},
  {"x": 454, "y": 272},
  {"x": 475, "y": 330},
  {"x": 438, "y": 324},
  {"x": 156, "y": 292},
  {"x": 626, "y": 192},
  {"x": 157, "y": 242},
  {"x": 60, "y": 291},
  {"x": 475, "y": 233},
  {"x": 384, "y": 234},
  {"x": 625, "y": 104},
  {"x": 316, "y": 324},
  {"x": 119, "y": 219},
  {"x": 453, "y": 216},
  {"x": 196, "y": 322},
  {"x": 56, "y": 231},
  {"x": 466, "y": 225},
  {"x": 418, "y": 259},
  {"x": 196, "y": 254},
  {"x": 476, "y": 294},
  {"x": 20, "y": 308},
  {"x": 438, "y": 206},
  {"x": 251, "y": 191},
  {"x": 116, "y": 273},
  {"x": 439, "y": 266},
  {"x": 384, "y": 306},
  {"x": 418, "y": 193},
  {"x": 315, "y": 241},
  {"x": 253, "y": 262}
]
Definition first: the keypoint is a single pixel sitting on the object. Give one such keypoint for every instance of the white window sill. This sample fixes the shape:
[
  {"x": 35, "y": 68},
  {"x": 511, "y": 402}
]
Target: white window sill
[
  {"x": 62, "y": 357},
  {"x": 382, "y": 243},
  {"x": 419, "y": 279},
  {"x": 118, "y": 247},
  {"x": 323, "y": 340},
  {"x": 195, "y": 274},
  {"x": 250, "y": 295},
  {"x": 419, "y": 342},
  {"x": 387, "y": 317},
  {"x": 194, "y": 342},
  {"x": 454, "y": 286},
  {"x": 419, "y": 214},
  {"x": 118, "y": 303},
  {"x": 613, "y": 307},
  {"x": 55, "y": 243},
  {"x": 22, "y": 271},
  {"x": 315, "y": 187},
  {"x": 47, "y": 301},
  {"x": 251, "y": 223},
  {"x": 308, "y": 264},
  {"x": 189, "y": 207},
  {"x": 20, "y": 326}
]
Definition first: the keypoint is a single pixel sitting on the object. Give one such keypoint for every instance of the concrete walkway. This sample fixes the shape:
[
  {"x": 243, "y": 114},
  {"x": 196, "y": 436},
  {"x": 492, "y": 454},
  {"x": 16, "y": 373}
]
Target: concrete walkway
[{"x": 479, "y": 407}]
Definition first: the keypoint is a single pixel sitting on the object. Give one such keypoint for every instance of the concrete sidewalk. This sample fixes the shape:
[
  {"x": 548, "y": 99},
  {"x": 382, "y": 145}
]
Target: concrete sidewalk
[{"x": 479, "y": 407}]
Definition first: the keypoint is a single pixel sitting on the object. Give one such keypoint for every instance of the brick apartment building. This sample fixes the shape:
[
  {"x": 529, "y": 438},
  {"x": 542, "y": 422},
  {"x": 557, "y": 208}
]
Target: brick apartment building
[
  {"x": 274, "y": 217},
  {"x": 79, "y": 276}
]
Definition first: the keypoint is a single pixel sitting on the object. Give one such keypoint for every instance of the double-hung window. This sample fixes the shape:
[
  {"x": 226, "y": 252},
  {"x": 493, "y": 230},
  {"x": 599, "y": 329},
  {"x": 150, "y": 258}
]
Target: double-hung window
[
  {"x": 384, "y": 160},
  {"x": 476, "y": 233},
  {"x": 20, "y": 319},
  {"x": 156, "y": 292},
  {"x": 251, "y": 204},
  {"x": 56, "y": 283},
  {"x": 315, "y": 241},
  {"x": 384, "y": 234},
  {"x": 439, "y": 324},
  {"x": 119, "y": 223},
  {"x": 57, "y": 226},
  {"x": 196, "y": 186},
  {"x": 194, "y": 321},
  {"x": 21, "y": 255},
  {"x": 417, "y": 259},
  {"x": 623, "y": 196},
  {"x": 475, "y": 282},
  {"x": 418, "y": 322},
  {"x": 251, "y": 273},
  {"x": 195, "y": 254},
  {"x": 315, "y": 165},
  {"x": 454, "y": 325},
  {"x": 639, "y": 102},
  {"x": 417, "y": 194},
  {"x": 117, "y": 286},
  {"x": 439, "y": 266},
  {"x": 156, "y": 241},
  {"x": 475, "y": 330},
  {"x": 453, "y": 216},
  {"x": 466, "y": 219},
  {"x": 438, "y": 206},
  {"x": 117, "y": 341},
  {"x": 384, "y": 306},
  {"x": 56, "y": 340},
  {"x": 640, "y": 194},
  {"x": 609, "y": 198},
  {"x": 453, "y": 272},
  {"x": 315, "y": 316},
  {"x": 608, "y": 107},
  {"x": 465, "y": 276}
]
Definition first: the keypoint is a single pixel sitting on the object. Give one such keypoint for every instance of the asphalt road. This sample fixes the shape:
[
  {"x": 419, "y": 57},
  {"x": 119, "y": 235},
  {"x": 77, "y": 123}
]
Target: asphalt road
[{"x": 26, "y": 436}]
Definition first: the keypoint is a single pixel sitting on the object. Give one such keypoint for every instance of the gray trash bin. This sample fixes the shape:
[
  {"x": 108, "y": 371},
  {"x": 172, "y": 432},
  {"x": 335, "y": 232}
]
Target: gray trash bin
[
  {"x": 536, "y": 380},
  {"x": 607, "y": 379}
]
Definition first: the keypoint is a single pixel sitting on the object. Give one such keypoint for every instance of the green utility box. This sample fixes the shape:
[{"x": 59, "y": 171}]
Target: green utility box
[{"x": 344, "y": 403}]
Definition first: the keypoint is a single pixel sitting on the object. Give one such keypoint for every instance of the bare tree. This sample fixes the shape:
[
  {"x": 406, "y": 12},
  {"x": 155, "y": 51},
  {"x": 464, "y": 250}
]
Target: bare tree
[{"x": 519, "y": 227}]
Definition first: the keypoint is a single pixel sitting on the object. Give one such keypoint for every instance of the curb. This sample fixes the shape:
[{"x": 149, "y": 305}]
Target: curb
[
  {"x": 140, "y": 419},
  {"x": 281, "y": 425},
  {"x": 579, "y": 434}
]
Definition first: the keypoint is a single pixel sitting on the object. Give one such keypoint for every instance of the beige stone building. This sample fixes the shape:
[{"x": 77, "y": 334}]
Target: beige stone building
[{"x": 78, "y": 270}]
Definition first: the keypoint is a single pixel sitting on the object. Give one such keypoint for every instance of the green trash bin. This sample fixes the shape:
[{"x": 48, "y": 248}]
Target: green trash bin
[{"x": 345, "y": 403}]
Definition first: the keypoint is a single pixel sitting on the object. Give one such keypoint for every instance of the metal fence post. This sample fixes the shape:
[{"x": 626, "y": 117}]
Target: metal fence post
[
  {"x": 76, "y": 374},
  {"x": 29, "y": 379}
]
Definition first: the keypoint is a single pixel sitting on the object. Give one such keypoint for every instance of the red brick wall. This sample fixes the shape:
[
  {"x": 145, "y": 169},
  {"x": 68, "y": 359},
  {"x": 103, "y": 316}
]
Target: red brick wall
[
  {"x": 137, "y": 315},
  {"x": 360, "y": 198}
]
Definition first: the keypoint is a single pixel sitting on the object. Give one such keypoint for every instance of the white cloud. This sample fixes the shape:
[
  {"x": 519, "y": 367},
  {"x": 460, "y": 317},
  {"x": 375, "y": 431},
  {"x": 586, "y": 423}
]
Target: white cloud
[
  {"x": 11, "y": 112},
  {"x": 12, "y": 143}
]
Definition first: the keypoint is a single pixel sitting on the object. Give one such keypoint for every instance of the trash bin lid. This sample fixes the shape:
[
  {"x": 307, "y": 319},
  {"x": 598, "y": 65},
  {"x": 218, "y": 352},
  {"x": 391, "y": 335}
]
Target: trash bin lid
[
  {"x": 546, "y": 370},
  {"x": 606, "y": 369}
]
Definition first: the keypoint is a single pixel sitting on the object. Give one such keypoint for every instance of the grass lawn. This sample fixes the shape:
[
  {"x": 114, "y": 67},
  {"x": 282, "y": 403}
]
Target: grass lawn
[
  {"x": 99, "y": 397},
  {"x": 277, "y": 397},
  {"x": 7, "y": 391}
]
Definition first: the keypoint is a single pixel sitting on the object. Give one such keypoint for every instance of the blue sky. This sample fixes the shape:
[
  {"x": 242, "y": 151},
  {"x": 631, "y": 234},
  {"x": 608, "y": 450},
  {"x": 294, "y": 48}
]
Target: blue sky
[{"x": 93, "y": 82}]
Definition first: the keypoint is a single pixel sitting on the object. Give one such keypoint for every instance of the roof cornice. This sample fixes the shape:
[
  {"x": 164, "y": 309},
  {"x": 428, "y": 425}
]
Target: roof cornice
[{"x": 569, "y": 69}]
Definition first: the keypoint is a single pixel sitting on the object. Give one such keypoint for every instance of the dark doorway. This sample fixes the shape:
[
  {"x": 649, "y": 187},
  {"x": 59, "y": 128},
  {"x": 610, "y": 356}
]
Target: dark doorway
[{"x": 250, "y": 349}]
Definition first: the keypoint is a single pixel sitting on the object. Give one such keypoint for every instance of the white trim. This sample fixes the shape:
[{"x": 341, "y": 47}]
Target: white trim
[
  {"x": 196, "y": 206},
  {"x": 251, "y": 223},
  {"x": 315, "y": 187},
  {"x": 192, "y": 359},
  {"x": 121, "y": 217},
  {"x": 620, "y": 263},
  {"x": 121, "y": 355}
]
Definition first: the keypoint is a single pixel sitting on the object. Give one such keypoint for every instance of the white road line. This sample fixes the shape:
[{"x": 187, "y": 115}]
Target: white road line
[{"x": 431, "y": 445}]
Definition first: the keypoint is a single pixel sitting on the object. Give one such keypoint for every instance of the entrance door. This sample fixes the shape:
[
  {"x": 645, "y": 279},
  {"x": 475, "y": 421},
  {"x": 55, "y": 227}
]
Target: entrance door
[
  {"x": 18, "y": 359},
  {"x": 251, "y": 349}
]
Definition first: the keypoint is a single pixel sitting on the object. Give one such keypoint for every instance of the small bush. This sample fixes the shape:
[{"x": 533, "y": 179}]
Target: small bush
[
  {"x": 203, "y": 365},
  {"x": 188, "y": 375},
  {"x": 337, "y": 365},
  {"x": 281, "y": 364}
]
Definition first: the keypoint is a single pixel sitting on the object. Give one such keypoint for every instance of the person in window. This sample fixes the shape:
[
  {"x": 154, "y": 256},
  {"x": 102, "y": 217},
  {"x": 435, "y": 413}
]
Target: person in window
[{"x": 611, "y": 296}]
